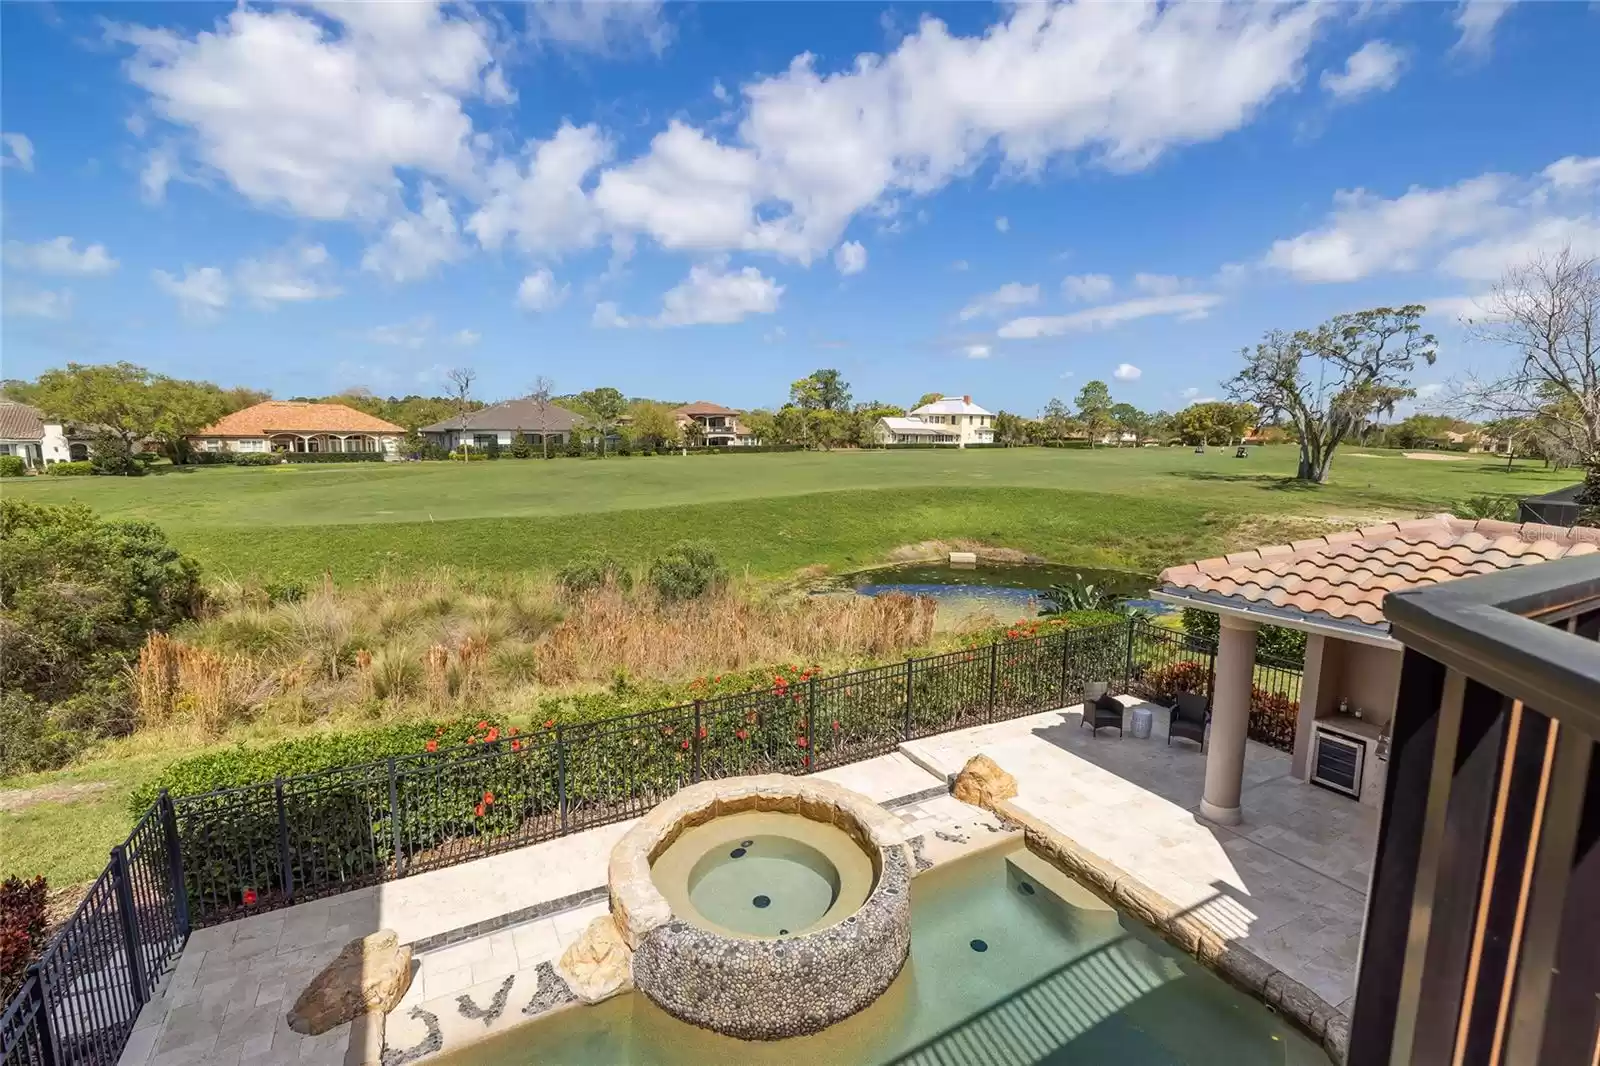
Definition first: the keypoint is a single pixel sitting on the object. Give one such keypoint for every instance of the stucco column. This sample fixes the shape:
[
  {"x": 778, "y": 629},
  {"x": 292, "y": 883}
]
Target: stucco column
[{"x": 1230, "y": 720}]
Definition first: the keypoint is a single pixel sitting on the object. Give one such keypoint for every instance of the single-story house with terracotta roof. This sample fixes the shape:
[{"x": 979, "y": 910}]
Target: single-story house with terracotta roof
[
  {"x": 1332, "y": 588},
  {"x": 719, "y": 426},
  {"x": 301, "y": 427},
  {"x": 500, "y": 423}
]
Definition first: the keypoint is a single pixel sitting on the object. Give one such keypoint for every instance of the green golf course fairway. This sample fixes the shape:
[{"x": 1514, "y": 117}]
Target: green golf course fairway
[{"x": 765, "y": 513}]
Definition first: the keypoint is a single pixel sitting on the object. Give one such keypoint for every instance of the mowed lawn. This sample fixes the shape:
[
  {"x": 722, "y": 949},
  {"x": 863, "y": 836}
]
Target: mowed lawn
[{"x": 767, "y": 513}]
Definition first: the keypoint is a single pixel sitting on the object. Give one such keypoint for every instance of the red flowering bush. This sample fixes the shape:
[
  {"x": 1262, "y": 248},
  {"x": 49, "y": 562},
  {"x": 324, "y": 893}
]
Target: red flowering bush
[
  {"x": 22, "y": 927},
  {"x": 1273, "y": 719}
]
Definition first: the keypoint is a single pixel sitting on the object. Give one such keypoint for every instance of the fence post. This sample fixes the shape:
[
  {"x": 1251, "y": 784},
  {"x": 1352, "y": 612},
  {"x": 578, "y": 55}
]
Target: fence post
[
  {"x": 394, "y": 822},
  {"x": 1066, "y": 664},
  {"x": 810, "y": 762},
  {"x": 180, "y": 887},
  {"x": 994, "y": 675},
  {"x": 1127, "y": 669},
  {"x": 561, "y": 777},
  {"x": 41, "y": 1012},
  {"x": 123, "y": 887},
  {"x": 908, "y": 698},
  {"x": 284, "y": 866},
  {"x": 695, "y": 771}
]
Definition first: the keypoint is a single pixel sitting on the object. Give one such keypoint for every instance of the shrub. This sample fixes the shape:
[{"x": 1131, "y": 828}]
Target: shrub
[
  {"x": 1504, "y": 508},
  {"x": 468, "y": 456},
  {"x": 258, "y": 459},
  {"x": 686, "y": 571},
  {"x": 287, "y": 590},
  {"x": 574, "y": 448},
  {"x": 79, "y": 598},
  {"x": 29, "y": 738},
  {"x": 1273, "y": 719},
  {"x": 110, "y": 454},
  {"x": 214, "y": 458},
  {"x": 23, "y": 920},
  {"x": 1272, "y": 642},
  {"x": 521, "y": 447},
  {"x": 12, "y": 466},
  {"x": 81, "y": 468},
  {"x": 332, "y": 457},
  {"x": 592, "y": 571}
]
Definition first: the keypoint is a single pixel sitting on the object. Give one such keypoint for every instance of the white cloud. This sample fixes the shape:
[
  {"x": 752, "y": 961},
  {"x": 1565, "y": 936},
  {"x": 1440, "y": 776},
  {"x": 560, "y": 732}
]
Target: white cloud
[
  {"x": 466, "y": 338},
  {"x": 539, "y": 291},
  {"x": 1003, "y": 224},
  {"x": 320, "y": 110},
  {"x": 1086, "y": 288},
  {"x": 1374, "y": 67},
  {"x": 415, "y": 243},
  {"x": 606, "y": 316},
  {"x": 775, "y": 335},
  {"x": 201, "y": 294},
  {"x": 1127, "y": 372},
  {"x": 1184, "y": 305},
  {"x": 959, "y": 265},
  {"x": 977, "y": 351},
  {"x": 1158, "y": 284},
  {"x": 292, "y": 275},
  {"x": 850, "y": 258},
  {"x": 712, "y": 295},
  {"x": 1189, "y": 394},
  {"x": 413, "y": 334},
  {"x": 1431, "y": 389},
  {"x": 160, "y": 168},
  {"x": 1474, "y": 229},
  {"x": 1475, "y": 22},
  {"x": 37, "y": 303},
  {"x": 16, "y": 150},
  {"x": 1012, "y": 294},
  {"x": 541, "y": 202},
  {"x": 604, "y": 27},
  {"x": 60, "y": 256}
]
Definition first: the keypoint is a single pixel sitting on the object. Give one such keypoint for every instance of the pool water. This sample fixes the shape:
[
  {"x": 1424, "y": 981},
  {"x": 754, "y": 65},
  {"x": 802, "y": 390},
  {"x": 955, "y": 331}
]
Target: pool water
[
  {"x": 764, "y": 885},
  {"x": 1011, "y": 963},
  {"x": 1009, "y": 588}
]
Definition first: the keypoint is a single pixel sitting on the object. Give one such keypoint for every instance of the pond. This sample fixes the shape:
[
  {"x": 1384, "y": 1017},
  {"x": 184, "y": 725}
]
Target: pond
[{"x": 1005, "y": 588}]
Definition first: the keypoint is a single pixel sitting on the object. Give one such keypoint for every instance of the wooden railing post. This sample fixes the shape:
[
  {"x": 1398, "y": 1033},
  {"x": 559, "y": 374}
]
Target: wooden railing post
[
  {"x": 122, "y": 887},
  {"x": 175, "y": 877}
]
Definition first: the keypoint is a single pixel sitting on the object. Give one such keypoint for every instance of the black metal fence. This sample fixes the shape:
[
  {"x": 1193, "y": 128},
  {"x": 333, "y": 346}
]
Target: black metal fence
[{"x": 199, "y": 860}]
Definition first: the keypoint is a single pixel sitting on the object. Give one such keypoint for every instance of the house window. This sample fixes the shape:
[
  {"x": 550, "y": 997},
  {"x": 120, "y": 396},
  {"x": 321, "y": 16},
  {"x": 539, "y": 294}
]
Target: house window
[{"x": 484, "y": 440}]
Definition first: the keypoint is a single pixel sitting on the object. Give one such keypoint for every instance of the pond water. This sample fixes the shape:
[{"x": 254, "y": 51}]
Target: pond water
[{"x": 1006, "y": 588}]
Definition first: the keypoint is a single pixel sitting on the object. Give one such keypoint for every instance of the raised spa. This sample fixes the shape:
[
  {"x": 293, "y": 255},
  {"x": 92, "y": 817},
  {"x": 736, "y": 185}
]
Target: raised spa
[{"x": 764, "y": 907}]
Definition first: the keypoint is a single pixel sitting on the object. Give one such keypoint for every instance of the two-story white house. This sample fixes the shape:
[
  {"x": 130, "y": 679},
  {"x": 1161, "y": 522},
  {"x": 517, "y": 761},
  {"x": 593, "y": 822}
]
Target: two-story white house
[{"x": 948, "y": 420}]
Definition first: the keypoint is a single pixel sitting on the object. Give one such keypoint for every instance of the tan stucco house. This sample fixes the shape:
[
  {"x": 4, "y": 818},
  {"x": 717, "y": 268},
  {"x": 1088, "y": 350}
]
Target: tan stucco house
[
  {"x": 718, "y": 426},
  {"x": 299, "y": 427},
  {"x": 1332, "y": 589},
  {"x": 948, "y": 420}
]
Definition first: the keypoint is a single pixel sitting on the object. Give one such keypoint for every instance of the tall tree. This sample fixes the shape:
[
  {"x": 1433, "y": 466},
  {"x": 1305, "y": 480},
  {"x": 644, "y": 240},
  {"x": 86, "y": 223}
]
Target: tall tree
[
  {"x": 654, "y": 424},
  {"x": 927, "y": 398},
  {"x": 539, "y": 392},
  {"x": 1547, "y": 314},
  {"x": 605, "y": 405},
  {"x": 1330, "y": 380},
  {"x": 1127, "y": 418},
  {"x": 1010, "y": 428},
  {"x": 1214, "y": 422},
  {"x": 461, "y": 379},
  {"x": 821, "y": 390},
  {"x": 762, "y": 426},
  {"x": 1094, "y": 409}
]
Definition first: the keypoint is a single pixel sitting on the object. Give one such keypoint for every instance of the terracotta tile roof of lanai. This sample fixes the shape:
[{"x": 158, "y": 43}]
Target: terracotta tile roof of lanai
[
  {"x": 1344, "y": 577},
  {"x": 18, "y": 421},
  {"x": 704, "y": 407},
  {"x": 289, "y": 416}
]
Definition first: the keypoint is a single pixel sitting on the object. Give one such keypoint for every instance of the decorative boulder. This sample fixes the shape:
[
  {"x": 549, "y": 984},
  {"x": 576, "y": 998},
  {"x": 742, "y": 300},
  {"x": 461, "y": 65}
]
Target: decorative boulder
[
  {"x": 369, "y": 975},
  {"x": 597, "y": 965},
  {"x": 983, "y": 784}
]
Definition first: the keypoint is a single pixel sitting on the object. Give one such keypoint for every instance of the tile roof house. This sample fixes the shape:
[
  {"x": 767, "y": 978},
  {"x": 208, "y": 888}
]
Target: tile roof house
[
  {"x": 947, "y": 420},
  {"x": 37, "y": 440},
  {"x": 719, "y": 426},
  {"x": 500, "y": 423},
  {"x": 1332, "y": 588},
  {"x": 301, "y": 427}
]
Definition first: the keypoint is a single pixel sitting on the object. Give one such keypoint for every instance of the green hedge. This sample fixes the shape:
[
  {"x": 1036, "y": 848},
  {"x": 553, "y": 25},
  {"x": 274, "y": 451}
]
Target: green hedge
[
  {"x": 1067, "y": 444},
  {"x": 1272, "y": 642},
  {"x": 81, "y": 468},
  {"x": 332, "y": 457},
  {"x": 12, "y": 466},
  {"x": 747, "y": 449},
  {"x": 915, "y": 447},
  {"x": 257, "y": 459}
]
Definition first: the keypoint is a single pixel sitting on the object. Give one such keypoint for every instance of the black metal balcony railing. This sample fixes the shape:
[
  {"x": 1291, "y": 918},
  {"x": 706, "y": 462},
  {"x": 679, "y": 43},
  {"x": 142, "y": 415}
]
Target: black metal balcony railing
[{"x": 1482, "y": 939}]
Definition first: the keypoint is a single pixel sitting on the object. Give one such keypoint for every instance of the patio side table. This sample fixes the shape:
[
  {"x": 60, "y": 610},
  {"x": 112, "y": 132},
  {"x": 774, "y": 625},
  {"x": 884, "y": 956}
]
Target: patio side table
[{"x": 1143, "y": 718}]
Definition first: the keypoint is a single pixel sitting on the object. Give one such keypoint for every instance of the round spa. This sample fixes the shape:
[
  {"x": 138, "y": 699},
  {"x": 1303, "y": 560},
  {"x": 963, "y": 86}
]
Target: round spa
[{"x": 764, "y": 907}]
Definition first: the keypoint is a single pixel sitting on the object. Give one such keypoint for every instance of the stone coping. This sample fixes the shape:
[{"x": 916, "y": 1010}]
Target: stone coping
[
  {"x": 637, "y": 905},
  {"x": 1183, "y": 927}
]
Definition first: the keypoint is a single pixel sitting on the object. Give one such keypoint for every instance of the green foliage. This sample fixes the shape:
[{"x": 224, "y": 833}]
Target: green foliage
[
  {"x": 30, "y": 739},
  {"x": 821, "y": 390},
  {"x": 686, "y": 571},
  {"x": 594, "y": 571},
  {"x": 114, "y": 455},
  {"x": 1504, "y": 508},
  {"x": 258, "y": 459},
  {"x": 331, "y": 457},
  {"x": 78, "y": 596},
  {"x": 24, "y": 918},
  {"x": 1272, "y": 642},
  {"x": 1215, "y": 422},
  {"x": 284, "y": 590},
  {"x": 574, "y": 447},
  {"x": 521, "y": 446},
  {"x": 12, "y": 466},
  {"x": 1081, "y": 595},
  {"x": 81, "y": 468}
]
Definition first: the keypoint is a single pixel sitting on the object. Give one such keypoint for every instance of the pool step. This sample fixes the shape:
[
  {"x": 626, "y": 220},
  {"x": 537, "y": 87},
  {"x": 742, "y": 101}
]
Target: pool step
[{"x": 1085, "y": 905}]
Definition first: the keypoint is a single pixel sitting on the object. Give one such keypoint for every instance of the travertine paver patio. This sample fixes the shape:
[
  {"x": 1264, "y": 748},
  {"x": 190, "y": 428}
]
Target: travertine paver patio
[{"x": 1290, "y": 882}]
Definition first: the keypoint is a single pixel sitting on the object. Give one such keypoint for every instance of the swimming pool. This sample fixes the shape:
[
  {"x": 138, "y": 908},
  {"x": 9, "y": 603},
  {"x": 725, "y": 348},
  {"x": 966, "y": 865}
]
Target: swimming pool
[{"x": 1011, "y": 962}]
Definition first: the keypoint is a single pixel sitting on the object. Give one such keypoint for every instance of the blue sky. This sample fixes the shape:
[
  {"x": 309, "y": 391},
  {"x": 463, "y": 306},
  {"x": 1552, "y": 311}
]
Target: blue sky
[{"x": 709, "y": 201}]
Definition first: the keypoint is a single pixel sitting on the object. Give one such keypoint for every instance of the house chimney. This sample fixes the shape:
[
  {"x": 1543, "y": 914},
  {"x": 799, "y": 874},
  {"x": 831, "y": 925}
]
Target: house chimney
[{"x": 966, "y": 399}]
